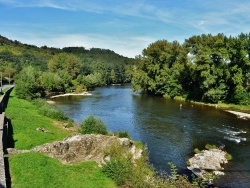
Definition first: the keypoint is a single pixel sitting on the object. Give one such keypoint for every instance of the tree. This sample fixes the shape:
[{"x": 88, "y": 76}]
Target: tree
[
  {"x": 113, "y": 76},
  {"x": 65, "y": 62},
  {"x": 28, "y": 85},
  {"x": 159, "y": 70},
  {"x": 52, "y": 82}
]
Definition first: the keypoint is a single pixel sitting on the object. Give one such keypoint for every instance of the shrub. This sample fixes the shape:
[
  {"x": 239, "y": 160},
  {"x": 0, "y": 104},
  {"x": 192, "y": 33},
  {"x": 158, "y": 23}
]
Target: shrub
[
  {"x": 209, "y": 146},
  {"x": 119, "y": 170},
  {"x": 70, "y": 123},
  {"x": 125, "y": 171},
  {"x": 228, "y": 156},
  {"x": 123, "y": 134},
  {"x": 196, "y": 150},
  {"x": 92, "y": 125},
  {"x": 48, "y": 110}
]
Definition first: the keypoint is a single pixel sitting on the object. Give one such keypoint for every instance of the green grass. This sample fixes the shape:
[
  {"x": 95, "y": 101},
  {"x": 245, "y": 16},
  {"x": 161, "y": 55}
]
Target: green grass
[
  {"x": 25, "y": 119},
  {"x": 37, "y": 170},
  {"x": 224, "y": 106}
]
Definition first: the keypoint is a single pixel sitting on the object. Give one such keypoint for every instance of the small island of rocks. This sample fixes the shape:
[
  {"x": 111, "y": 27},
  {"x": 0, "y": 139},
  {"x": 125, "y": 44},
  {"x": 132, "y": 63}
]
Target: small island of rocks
[{"x": 207, "y": 164}]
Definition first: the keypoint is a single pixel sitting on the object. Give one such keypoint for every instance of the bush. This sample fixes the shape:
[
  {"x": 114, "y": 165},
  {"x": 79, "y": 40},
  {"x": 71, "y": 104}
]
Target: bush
[
  {"x": 123, "y": 134},
  {"x": 119, "y": 170},
  {"x": 124, "y": 170},
  {"x": 196, "y": 150},
  {"x": 228, "y": 156},
  {"x": 48, "y": 110},
  {"x": 70, "y": 123},
  {"x": 209, "y": 146},
  {"x": 92, "y": 125}
]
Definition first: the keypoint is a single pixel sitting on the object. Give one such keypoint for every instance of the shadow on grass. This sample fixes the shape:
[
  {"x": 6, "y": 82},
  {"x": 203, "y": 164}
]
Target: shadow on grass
[{"x": 8, "y": 142}]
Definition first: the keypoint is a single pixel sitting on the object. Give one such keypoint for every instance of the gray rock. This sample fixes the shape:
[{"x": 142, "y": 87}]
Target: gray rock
[
  {"x": 207, "y": 161},
  {"x": 90, "y": 147}
]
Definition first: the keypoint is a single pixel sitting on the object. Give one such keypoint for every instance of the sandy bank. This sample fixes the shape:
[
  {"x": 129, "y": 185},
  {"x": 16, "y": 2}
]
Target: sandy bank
[
  {"x": 240, "y": 115},
  {"x": 72, "y": 94}
]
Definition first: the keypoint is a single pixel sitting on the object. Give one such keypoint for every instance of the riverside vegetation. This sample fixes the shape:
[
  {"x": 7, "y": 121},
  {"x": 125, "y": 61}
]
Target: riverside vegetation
[
  {"x": 37, "y": 170},
  {"x": 204, "y": 68}
]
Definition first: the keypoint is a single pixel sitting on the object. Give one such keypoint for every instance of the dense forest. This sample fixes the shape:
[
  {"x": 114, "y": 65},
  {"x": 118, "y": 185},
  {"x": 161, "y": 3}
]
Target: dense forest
[
  {"x": 41, "y": 71},
  {"x": 204, "y": 68}
]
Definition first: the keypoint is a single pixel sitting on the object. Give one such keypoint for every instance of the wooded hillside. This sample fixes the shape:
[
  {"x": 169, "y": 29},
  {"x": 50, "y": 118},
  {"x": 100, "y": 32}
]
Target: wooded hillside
[{"x": 60, "y": 70}]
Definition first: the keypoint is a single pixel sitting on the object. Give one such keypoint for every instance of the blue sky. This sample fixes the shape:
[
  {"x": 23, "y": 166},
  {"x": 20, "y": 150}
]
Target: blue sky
[{"x": 124, "y": 26}]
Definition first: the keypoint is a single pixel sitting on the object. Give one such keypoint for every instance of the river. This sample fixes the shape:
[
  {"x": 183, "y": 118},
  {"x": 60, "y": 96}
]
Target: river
[{"x": 170, "y": 129}]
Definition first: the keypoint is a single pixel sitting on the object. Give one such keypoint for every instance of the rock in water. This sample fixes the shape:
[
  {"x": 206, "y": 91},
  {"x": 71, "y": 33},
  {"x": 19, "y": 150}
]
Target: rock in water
[{"x": 208, "y": 161}]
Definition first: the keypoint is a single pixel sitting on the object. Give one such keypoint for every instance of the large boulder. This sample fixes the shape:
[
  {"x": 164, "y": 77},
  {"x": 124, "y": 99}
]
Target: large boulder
[
  {"x": 89, "y": 147},
  {"x": 208, "y": 161}
]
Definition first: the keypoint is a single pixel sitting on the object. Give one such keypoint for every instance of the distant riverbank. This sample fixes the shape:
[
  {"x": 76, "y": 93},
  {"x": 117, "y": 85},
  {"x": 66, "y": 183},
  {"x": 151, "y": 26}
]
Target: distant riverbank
[
  {"x": 72, "y": 94},
  {"x": 241, "y": 111},
  {"x": 240, "y": 115}
]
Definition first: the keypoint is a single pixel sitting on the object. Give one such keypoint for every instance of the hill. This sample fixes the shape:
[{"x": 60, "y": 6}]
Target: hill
[{"x": 76, "y": 66}]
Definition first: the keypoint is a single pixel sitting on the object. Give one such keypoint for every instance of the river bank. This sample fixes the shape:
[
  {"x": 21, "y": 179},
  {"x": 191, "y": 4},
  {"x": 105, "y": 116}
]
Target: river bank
[
  {"x": 27, "y": 137},
  {"x": 242, "y": 112},
  {"x": 240, "y": 115},
  {"x": 71, "y": 94}
]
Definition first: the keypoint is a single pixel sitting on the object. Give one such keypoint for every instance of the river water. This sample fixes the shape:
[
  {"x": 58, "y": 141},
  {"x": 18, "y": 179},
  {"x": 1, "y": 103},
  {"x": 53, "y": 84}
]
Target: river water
[{"x": 170, "y": 129}]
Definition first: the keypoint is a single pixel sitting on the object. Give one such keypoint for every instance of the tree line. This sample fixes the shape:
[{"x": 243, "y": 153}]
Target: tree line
[
  {"x": 38, "y": 72},
  {"x": 210, "y": 68}
]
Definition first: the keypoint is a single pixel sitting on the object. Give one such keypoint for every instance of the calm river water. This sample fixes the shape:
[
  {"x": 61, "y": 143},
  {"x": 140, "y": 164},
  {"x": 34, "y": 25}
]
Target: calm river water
[{"x": 171, "y": 133}]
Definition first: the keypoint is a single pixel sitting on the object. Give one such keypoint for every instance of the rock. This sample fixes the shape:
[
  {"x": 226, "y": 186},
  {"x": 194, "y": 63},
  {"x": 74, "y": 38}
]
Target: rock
[
  {"x": 208, "y": 161},
  {"x": 42, "y": 130},
  {"x": 90, "y": 147}
]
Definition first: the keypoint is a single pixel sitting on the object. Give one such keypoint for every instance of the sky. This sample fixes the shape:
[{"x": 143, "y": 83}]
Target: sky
[{"x": 123, "y": 26}]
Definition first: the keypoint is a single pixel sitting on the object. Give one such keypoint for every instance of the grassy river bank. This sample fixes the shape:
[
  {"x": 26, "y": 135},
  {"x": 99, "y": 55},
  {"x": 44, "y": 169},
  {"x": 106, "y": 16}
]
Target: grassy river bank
[{"x": 38, "y": 170}]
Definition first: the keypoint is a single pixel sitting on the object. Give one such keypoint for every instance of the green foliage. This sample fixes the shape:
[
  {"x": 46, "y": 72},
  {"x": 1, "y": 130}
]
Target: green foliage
[
  {"x": 38, "y": 170},
  {"x": 159, "y": 70},
  {"x": 205, "y": 68},
  {"x": 25, "y": 118},
  {"x": 52, "y": 82},
  {"x": 228, "y": 156},
  {"x": 188, "y": 163},
  {"x": 126, "y": 172},
  {"x": 196, "y": 150},
  {"x": 92, "y": 125},
  {"x": 123, "y": 134},
  {"x": 173, "y": 170},
  {"x": 119, "y": 170},
  {"x": 48, "y": 110},
  {"x": 28, "y": 85},
  {"x": 66, "y": 62},
  {"x": 70, "y": 123},
  {"x": 209, "y": 146},
  {"x": 58, "y": 68}
]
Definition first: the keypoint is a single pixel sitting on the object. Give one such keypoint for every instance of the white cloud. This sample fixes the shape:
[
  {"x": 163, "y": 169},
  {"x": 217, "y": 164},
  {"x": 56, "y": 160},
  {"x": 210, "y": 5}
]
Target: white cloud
[{"x": 153, "y": 19}]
